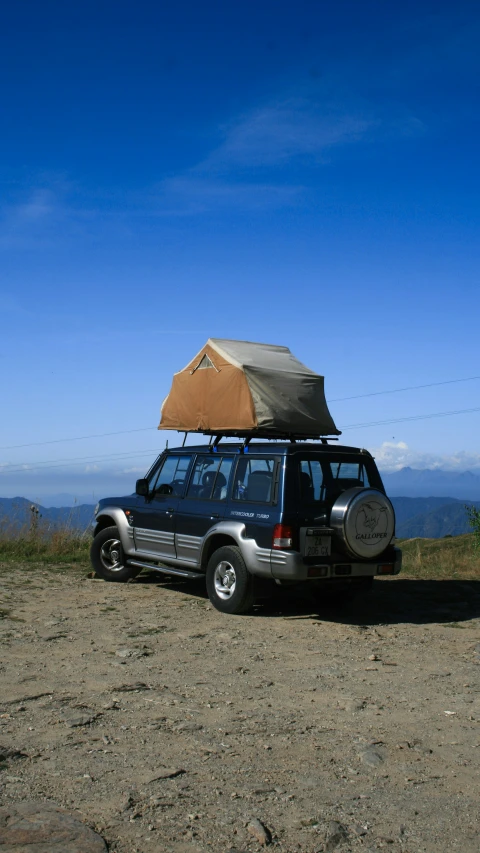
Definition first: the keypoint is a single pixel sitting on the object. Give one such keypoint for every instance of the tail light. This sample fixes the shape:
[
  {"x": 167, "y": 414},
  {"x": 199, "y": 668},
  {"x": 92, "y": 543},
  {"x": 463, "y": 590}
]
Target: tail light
[
  {"x": 282, "y": 537},
  {"x": 385, "y": 569}
]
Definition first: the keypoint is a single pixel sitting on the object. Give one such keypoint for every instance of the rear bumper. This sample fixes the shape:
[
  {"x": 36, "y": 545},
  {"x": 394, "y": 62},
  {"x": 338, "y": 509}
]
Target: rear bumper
[{"x": 290, "y": 565}]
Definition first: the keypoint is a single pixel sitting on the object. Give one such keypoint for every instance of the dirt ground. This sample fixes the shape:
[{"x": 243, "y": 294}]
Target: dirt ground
[{"x": 168, "y": 726}]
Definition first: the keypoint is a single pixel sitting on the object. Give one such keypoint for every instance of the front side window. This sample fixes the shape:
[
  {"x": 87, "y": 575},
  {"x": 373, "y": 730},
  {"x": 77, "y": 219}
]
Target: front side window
[
  {"x": 170, "y": 479},
  {"x": 254, "y": 480},
  {"x": 210, "y": 478}
]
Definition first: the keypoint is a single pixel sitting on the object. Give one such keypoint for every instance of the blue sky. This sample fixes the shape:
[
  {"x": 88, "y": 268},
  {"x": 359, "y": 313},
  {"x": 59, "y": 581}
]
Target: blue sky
[{"x": 298, "y": 173}]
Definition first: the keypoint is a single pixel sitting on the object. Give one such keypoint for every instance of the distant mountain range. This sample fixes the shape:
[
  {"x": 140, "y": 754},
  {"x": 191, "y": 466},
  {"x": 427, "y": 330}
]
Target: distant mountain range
[
  {"x": 432, "y": 517},
  {"x": 427, "y": 483},
  {"x": 16, "y": 513},
  {"x": 408, "y": 482}
]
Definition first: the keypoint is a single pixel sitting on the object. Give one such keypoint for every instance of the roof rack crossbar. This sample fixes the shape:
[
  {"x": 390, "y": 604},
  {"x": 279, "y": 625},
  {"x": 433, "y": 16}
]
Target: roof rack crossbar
[{"x": 251, "y": 435}]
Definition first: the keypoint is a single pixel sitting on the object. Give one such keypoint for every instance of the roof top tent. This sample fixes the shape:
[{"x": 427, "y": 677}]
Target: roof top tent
[{"x": 239, "y": 388}]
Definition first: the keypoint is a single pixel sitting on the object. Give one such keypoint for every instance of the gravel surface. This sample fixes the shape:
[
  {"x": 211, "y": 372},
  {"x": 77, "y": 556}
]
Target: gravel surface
[{"x": 167, "y": 726}]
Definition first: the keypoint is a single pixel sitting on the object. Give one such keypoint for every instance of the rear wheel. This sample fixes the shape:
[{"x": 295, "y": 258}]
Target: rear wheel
[
  {"x": 108, "y": 558},
  {"x": 229, "y": 583}
]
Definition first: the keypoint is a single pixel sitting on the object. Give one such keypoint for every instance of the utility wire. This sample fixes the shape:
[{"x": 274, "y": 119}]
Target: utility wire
[
  {"x": 65, "y": 464},
  {"x": 412, "y": 418},
  {"x": 397, "y": 390},
  {"x": 76, "y": 438},
  {"x": 125, "y": 453},
  {"x": 147, "y": 452},
  {"x": 147, "y": 429}
]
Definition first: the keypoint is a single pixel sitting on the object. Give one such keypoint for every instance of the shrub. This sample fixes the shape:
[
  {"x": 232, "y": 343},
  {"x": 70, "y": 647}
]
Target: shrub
[
  {"x": 35, "y": 541},
  {"x": 473, "y": 515}
]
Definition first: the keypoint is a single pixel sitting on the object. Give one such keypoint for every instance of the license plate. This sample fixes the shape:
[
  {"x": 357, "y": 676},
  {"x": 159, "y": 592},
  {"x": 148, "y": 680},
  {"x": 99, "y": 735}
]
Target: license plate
[{"x": 318, "y": 546}]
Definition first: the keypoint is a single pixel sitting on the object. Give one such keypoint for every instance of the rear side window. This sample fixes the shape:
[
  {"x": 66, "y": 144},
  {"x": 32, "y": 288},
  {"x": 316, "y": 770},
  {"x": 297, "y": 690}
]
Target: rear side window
[
  {"x": 210, "y": 478},
  {"x": 322, "y": 479},
  {"x": 254, "y": 480}
]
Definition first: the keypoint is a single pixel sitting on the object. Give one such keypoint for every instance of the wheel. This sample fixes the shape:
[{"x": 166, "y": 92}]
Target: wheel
[
  {"x": 364, "y": 522},
  {"x": 108, "y": 558},
  {"x": 229, "y": 583}
]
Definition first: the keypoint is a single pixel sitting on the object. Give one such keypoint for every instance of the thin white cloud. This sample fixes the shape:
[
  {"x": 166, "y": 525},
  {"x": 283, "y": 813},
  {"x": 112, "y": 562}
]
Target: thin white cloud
[
  {"x": 392, "y": 456},
  {"x": 253, "y": 165},
  {"x": 275, "y": 134},
  {"x": 260, "y": 151},
  {"x": 192, "y": 194},
  {"x": 34, "y": 220},
  {"x": 260, "y": 143}
]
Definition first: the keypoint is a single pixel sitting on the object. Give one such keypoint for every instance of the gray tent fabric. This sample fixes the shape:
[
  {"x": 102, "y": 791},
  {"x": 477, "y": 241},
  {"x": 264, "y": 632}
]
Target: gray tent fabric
[{"x": 258, "y": 388}]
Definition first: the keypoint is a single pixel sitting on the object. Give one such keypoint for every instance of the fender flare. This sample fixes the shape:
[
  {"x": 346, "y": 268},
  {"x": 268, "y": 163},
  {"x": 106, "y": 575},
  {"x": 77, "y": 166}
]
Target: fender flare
[{"x": 120, "y": 520}]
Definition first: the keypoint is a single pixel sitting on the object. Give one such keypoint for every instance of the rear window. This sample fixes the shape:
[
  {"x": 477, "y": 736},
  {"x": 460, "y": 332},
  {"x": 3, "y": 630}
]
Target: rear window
[{"x": 325, "y": 479}]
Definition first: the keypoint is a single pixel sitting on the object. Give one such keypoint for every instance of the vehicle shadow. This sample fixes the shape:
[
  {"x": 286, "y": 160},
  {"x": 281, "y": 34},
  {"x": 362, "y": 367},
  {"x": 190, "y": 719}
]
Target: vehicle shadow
[
  {"x": 408, "y": 600},
  {"x": 400, "y": 600}
]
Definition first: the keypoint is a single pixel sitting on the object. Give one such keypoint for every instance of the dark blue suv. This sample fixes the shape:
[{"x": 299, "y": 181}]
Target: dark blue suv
[{"x": 290, "y": 512}]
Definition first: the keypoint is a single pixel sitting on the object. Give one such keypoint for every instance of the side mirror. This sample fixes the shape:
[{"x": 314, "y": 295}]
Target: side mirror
[{"x": 141, "y": 488}]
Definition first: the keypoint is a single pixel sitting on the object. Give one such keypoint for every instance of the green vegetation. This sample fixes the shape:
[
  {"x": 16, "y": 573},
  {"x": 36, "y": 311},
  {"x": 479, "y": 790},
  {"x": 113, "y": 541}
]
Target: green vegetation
[
  {"x": 449, "y": 558},
  {"x": 36, "y": 544},
  {"x": 473, "y": 515}
]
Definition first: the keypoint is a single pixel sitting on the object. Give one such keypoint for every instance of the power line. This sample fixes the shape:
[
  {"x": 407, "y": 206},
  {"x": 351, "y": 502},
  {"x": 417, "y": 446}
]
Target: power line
[
  {"x": 76, "y": 438},
  {"x": 147, "y": 452},
  {"x": 412, "y": 418},
  {"x": 67, "y": 464},
  {"x": 407, "y": 388},
  {"x": 147, "y": 429},
  {"x": 46, "y": 462}
]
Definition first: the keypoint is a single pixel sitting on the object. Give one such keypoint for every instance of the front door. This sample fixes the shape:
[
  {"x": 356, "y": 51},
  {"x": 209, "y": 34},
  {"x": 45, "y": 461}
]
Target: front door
[{"x": 155, "y": 519}]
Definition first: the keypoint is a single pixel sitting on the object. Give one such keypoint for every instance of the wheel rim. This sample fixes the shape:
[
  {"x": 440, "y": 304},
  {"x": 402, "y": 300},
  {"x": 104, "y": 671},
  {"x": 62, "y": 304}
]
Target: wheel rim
[
  {"x": 111, "y": 555},
  {"x": 225, "y": 580}
]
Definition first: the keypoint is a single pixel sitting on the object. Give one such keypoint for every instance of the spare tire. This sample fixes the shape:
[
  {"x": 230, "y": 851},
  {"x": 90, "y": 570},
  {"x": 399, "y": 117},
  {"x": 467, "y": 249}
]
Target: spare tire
[{"x": 364, "y": 521}]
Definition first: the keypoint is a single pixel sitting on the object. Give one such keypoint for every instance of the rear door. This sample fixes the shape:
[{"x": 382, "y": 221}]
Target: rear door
[
  {"x": 254, "y": 497},
  {"x": 154, "y": 520},
  {"x": 204, "y": 503},
  {"x": 320, "y": 480}
]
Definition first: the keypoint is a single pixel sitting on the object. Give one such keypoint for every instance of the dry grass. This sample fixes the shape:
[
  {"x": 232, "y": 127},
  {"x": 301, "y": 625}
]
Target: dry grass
[
  {"x": 441, "y": 559},
  {"x": 428, "y": 559},
  {"x": 40, "y": 544}
]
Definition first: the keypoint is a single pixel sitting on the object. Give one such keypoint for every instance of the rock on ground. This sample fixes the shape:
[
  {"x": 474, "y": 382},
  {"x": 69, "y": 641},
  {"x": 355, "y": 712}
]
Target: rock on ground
[{"x": 43, "y": 828}]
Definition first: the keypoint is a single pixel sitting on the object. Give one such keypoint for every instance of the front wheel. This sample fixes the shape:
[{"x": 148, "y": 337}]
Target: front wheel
[
  {"x": 108, "y": 558},
  {"x": 229, "y": 583}
]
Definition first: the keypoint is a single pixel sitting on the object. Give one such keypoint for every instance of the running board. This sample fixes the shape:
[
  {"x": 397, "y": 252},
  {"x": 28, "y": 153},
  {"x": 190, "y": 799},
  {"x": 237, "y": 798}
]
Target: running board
[{"x": 183, "y": 573}]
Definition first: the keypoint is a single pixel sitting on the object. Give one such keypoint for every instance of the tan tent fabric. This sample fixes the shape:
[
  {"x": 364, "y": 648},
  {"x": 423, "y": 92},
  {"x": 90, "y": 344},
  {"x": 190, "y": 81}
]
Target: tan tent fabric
[{"x": 239, "y": 387}]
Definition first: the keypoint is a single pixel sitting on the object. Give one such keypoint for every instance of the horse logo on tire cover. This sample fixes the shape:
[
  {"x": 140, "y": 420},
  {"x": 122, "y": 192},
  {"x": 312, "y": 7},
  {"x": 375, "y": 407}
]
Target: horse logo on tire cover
[{"x": 371, "y": 522}]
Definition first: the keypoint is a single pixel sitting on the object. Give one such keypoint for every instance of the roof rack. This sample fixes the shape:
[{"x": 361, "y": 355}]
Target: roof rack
[{"x": 249, "y": 435}]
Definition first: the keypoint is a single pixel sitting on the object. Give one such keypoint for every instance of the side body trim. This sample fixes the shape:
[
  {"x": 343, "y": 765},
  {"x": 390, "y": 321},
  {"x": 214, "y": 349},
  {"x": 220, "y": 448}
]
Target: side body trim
[{"x": 257, "y": 559}]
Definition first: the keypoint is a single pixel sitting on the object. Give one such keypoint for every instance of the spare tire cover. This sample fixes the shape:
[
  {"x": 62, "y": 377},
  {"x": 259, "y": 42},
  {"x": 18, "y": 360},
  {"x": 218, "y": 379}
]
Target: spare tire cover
[{"x": 364, "y": 520}]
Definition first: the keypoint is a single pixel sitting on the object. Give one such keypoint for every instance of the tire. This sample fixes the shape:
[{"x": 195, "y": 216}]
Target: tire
[
  {"x": 229, "y": 583},
  {"x": 108, "y": 559},
  {"x": 363, "y": 520}
]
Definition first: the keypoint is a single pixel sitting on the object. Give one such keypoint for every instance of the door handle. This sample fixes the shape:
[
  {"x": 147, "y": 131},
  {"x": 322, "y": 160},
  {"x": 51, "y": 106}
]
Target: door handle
[
  {"x": 215, "y": 515},
  {"x": 171, "y": 509}
]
